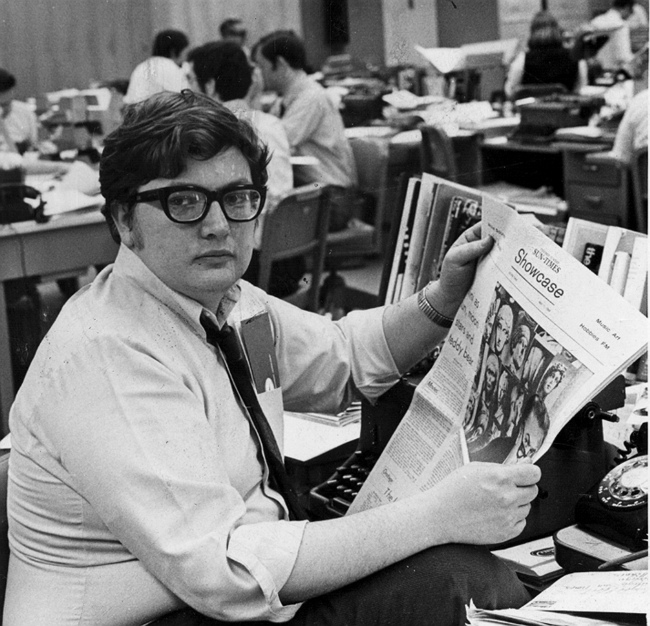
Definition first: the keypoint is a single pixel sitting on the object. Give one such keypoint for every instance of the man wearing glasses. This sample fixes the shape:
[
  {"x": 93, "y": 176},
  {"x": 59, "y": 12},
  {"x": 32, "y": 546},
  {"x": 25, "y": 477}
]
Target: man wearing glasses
[{"x": 143, "y": 485}]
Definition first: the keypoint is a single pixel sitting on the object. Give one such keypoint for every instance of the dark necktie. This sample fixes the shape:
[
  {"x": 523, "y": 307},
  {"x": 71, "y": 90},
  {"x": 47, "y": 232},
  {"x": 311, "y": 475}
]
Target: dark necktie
[{"x": 226, "y": 339}]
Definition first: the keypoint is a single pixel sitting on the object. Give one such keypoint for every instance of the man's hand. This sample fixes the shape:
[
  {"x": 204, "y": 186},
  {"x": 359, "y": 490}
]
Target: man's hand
[
  {"x": 485, "y": 503},
  {"x": 458, "y": 270}
]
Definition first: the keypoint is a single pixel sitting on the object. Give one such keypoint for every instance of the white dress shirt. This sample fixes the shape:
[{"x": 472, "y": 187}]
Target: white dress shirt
[{"x": 136, "y": 482}]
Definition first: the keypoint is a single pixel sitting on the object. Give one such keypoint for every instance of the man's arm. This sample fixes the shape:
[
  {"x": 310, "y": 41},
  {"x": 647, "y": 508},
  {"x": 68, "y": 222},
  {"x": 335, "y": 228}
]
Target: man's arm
[{"x": 480, "y": 503}]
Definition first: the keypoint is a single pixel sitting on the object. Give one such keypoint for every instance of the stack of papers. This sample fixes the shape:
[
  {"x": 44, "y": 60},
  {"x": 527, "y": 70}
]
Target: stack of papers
[{"x": 581, "y": 599}]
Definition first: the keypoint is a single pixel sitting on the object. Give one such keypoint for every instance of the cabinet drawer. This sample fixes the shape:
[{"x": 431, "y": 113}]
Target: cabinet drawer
[
  {"x": 577, "y": 169},
  {"x": 601, "y": 204}
]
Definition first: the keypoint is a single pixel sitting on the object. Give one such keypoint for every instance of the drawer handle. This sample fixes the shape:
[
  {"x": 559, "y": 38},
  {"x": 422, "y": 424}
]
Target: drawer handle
[
  {"x": 590, "y": 168},
  {"x": 594, "y": 201}
]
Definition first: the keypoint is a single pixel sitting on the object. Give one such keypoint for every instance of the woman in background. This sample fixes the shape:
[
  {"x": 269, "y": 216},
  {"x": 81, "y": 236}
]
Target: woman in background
[{"x": 546, "y": 61}]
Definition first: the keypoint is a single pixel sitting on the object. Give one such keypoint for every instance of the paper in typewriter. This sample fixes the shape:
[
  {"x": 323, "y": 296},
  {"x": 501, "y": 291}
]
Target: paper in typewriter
[{"x": 536, "y": 338}]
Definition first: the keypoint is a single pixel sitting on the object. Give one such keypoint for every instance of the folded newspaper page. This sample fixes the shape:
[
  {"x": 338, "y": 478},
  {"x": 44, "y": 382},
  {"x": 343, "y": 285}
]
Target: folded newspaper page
[{"x": 536, "y": 338}]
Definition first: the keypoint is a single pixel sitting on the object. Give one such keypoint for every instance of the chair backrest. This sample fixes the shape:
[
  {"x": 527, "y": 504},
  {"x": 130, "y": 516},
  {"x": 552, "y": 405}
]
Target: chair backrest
[
  {"x": 4, "y": 526},
  {"x": 361, "y": 238},
  {"x": 539, "y": 91},
  {"x": 639, "y": 171},
  {"x": 371, "y": 156},
  {"x": 297, "y": 227},
  {"x": 437, "y": 152}
]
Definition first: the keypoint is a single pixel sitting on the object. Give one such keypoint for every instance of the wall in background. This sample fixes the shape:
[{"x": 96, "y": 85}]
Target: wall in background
[
  {"x": 409, "y": 22},
  {"x": 55, "y": 44}
]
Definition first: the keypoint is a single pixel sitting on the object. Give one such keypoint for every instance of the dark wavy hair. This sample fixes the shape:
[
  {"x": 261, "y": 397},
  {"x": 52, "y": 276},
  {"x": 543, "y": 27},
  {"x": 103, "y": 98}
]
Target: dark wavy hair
[
  {"x": 545, "y": 32},
  {"x": 285, "y": 44},
  {"x": 160, "y": 134},
  {"x": 169, "y": 42},
  {"x": 226, "y": 63}
]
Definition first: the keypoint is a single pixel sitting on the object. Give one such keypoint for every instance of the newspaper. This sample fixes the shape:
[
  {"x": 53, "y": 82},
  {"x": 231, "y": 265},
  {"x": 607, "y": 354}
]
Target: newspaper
[{"x": 536, "y": 338}]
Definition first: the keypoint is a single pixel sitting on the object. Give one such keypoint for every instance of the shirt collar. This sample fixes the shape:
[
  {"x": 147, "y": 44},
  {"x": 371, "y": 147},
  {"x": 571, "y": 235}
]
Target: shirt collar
[{"x": 129, "y": 266}]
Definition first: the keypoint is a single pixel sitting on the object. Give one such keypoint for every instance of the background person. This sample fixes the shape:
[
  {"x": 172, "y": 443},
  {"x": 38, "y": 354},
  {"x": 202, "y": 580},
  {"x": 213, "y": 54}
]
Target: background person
[
  {"x": 162, "y": 71},
  {"x": 545, "y": 60},
  {"x": 18, "y": 122},
  {"x": 137, "y": 482},
  {"x": 313, "y": 124},
  {"x": 221, "y": 70}
]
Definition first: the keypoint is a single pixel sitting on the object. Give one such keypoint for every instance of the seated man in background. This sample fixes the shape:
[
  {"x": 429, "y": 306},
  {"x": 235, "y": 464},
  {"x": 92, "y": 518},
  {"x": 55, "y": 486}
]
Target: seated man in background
[
  {"x": 162, "y": 70},
  {"x": 313, "y": 124},
  {"x": 234, "y": 31},
  {"x": 221, "y": 70},
  {"x": 18, "y": 123},
  {"x": 145, "y": 474}
]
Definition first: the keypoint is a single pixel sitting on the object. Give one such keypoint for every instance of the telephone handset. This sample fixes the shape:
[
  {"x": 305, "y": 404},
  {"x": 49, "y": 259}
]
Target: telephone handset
[
  {"x": 13, "y": 207},
  {"x": 617, "y": 506}
]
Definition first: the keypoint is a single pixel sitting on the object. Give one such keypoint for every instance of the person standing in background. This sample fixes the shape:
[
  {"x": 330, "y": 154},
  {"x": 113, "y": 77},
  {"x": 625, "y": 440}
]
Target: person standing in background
[
  {"x": 18, "y": 123},
  {"x": 162, "y": 71}
]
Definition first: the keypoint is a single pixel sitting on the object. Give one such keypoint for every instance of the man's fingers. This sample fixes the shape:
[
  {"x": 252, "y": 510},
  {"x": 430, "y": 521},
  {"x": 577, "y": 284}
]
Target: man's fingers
[{"x": 526, "y": 474}]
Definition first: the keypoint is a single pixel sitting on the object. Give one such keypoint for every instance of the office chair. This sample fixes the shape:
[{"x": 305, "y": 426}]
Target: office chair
[
  {"x": 437, "y": 153},
  {"x": 296, "y": 227},
  {"x": 639, "y": 172},
  {"x": 359, "y": 239},
  {"x": 4, "y": 527}
]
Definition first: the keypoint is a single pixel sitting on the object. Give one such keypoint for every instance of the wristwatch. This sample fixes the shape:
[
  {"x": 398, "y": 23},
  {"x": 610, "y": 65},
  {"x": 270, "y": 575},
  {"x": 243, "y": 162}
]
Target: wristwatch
[{"x": 437, "y": 318}]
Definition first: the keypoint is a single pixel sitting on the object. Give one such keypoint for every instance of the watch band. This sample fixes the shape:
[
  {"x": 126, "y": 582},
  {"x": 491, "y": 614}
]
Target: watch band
[{"x": 431, "y": 313}]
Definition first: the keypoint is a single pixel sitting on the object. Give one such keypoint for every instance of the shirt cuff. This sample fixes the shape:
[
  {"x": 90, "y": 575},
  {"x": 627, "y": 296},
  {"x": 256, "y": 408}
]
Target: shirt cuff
[
  {"x": 268, "y": 550},
  {"x": 373, "y": 367}
]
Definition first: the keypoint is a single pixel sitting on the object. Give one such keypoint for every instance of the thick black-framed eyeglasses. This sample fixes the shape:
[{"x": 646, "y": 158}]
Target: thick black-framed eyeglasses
[{"x": 188, "y": 204}]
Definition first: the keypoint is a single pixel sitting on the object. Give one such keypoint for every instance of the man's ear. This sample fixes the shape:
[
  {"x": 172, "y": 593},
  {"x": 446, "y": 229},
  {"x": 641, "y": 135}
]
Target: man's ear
[
  {"x": 123, "y": 219},
  {"x": 210, "y": 89}
]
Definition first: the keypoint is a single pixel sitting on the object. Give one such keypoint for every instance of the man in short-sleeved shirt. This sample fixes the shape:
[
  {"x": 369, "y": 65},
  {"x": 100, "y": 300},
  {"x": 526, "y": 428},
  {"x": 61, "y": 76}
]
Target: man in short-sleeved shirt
[{"x": 313, "y": 123}]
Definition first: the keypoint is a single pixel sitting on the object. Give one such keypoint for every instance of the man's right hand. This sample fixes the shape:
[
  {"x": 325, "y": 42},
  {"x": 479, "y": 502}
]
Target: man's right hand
[{"x": 485, "y": 503}]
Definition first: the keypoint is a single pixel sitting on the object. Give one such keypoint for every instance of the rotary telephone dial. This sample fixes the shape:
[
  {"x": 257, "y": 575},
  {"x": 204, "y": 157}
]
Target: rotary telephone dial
[{"x": 616, "y": 507}]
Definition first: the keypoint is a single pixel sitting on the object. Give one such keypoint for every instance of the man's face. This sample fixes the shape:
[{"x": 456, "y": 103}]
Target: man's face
[
  {"x": 530, "y": 439},
  {"x": 490, "y": 378},
  {"x": 503, "y": 386},
  {"x": 519, "y": 350},
  {"x": 503, "y": 328},
  {"x": 551, "y": 381},
  {"x": 200, "y": 260},
  {"x": 517, "y": 406},
  {"x": 192, "y": 80},
  {"x": 5, "y": 102},
  {"x": 269, "y": 73}
]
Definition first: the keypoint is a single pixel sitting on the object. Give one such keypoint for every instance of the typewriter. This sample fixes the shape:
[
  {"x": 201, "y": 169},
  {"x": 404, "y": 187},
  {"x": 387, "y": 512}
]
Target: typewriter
[
  {"x": 541, "y": 118},
  {"x": 578, "y": 451}
]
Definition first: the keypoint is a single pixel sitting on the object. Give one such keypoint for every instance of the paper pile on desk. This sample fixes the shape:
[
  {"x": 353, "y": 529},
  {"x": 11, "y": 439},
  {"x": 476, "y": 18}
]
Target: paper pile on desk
[{"x": 580, "y": 599}]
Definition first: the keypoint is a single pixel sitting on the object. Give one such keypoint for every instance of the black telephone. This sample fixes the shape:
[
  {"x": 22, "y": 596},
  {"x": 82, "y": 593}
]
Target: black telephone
[
  {"x": 14, "y": 208},
  {"x": 616, "y": 507}
]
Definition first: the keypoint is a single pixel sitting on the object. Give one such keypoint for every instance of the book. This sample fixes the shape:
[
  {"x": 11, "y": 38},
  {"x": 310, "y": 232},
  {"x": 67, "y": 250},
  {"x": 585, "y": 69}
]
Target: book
[
  {"x": 584, "y": 240},
  {"x": 402, "y": 242},
  {"x": 525, "y": 287},
  {"x": 418, "y": 235},
  {"x": 618, "y": 239},
  {"x": 462, "y": 208}
]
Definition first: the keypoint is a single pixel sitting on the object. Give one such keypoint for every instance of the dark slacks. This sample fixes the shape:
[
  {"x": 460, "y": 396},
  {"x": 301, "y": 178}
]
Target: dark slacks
[{"x": 432, "y": 588}]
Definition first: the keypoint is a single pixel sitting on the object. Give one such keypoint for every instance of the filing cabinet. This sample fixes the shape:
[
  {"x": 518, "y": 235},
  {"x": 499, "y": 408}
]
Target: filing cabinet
[{"x": 596, "y": 187}]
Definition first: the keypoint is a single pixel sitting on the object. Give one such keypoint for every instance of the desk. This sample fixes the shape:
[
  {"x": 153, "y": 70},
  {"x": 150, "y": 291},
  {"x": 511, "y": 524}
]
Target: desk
[{"x": 69, "y": 242}]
